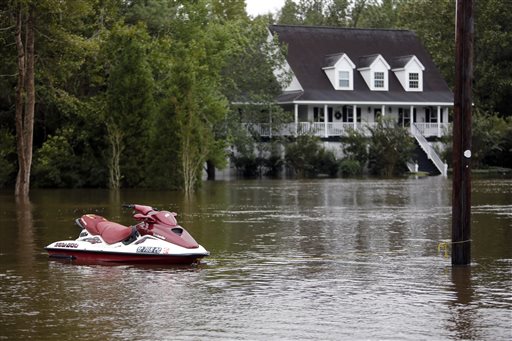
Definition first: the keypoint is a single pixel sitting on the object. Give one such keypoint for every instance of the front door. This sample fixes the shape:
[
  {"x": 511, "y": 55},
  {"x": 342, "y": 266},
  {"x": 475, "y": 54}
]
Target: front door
[
  {"x": 377, "y": 114},
  {"x": 404, "y": 117}
]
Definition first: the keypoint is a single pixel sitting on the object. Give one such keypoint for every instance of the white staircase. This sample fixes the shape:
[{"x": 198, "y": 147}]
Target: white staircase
[{"x": 427, "y": 148}]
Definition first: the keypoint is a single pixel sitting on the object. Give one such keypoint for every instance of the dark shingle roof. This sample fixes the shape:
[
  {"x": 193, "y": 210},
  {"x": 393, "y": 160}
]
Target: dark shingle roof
[
  {"x": 332, "y": 59},
  {"x": 366, "y": 61},
  {"x": 311, "y": 48},
  {"x": 400, "y": 62}
]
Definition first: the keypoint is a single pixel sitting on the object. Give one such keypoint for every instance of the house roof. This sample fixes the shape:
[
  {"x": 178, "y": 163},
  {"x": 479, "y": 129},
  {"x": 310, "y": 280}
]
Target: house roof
[
  {"x": 332, "y": 59},
  {"x": 401, "y": 62},
  {"x": 311, "y": 48},
  {"x": 366, "y": 61}
]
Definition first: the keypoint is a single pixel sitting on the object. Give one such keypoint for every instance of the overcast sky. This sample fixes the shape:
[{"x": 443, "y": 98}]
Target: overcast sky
[{"x": 255, "y": 7}]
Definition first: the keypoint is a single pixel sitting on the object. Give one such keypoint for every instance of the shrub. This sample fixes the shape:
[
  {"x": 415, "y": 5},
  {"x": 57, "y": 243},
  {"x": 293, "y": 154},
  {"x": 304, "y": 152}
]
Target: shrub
[
  {"x": 350, "y": 167},
  {"x": 326, "y": 163},
  {"x": 249, "y": 166},
  {"x": 273, "y": 165},
  {"x": 391, "y": 147},
  {"x": 355, "y": 146},
  {"x": 54, "y": 164},
  {"x": 308, "y": 158}
]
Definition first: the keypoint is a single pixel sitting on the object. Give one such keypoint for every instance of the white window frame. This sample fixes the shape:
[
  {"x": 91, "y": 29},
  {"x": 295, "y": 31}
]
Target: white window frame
[
  {"x": 344, "y": 78},
  {"x": 414, "y": 83},
  {"x": 379, "y": 83}
]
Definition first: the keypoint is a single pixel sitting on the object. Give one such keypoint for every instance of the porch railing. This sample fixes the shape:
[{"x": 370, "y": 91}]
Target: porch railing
[
  {"x": 336, "y": 128},
  {"x": 312, "y": 128},
  {"x": 433, "y": 129}
]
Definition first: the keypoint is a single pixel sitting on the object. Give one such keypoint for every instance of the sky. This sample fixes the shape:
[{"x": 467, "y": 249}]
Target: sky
[{"x": 256, "y": 7}]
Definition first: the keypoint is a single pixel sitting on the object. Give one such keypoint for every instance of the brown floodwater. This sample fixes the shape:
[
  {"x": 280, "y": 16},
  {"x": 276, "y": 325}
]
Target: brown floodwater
[{"x": 329, "y": 259}]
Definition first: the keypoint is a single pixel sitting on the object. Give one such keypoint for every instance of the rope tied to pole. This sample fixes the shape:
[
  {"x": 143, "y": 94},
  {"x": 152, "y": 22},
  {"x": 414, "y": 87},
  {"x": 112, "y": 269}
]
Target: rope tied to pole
[{"x": 446, "y": 245}]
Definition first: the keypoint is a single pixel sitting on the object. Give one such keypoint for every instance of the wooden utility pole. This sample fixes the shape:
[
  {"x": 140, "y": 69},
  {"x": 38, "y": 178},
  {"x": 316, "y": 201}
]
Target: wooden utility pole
[{"x": 461, "y": 194}]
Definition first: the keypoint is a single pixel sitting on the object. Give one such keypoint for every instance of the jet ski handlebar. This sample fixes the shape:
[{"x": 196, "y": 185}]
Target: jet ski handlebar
[
  {"x": 141, "y": 208},
  {"x": 150, "y": 215}
]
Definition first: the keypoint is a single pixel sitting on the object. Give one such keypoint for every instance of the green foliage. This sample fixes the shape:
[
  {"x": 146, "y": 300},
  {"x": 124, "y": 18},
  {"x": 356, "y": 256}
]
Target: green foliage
[
  {"x": 493, "y": 56},
  {"x": 345, "y": 13},
  {"x": 435, "y": 29},
  {"x": 7, "y": 157},
  {"x": 55, "y": 164},
  {"x": 307, "y": 158},
  {"x": 391, "y": 147},
  {"x": 355, "y": 150},
  {"x": 71, "y": 158},
  {"x": 300, "y": 155},
  {"x": 129, "y": 103},
  {"x": 491, "y": 142},
  {"x": 273, "y": 165},
  {"x": 248, "y": 166},
  {"x": 326, "y": 163},
  {"x": 350, "y": 167},
  {"x": 162, "y": 74},
  {"x": 248, "y": 74}
]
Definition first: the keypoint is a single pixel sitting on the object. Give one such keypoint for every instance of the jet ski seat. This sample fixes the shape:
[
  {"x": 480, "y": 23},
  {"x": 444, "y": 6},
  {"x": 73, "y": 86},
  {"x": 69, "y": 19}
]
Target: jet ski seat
[
  {"x": 113, "y": 232},
  {"x": 110, "y": 232}
]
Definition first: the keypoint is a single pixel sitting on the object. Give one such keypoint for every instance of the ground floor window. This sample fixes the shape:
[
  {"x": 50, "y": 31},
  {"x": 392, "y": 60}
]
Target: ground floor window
[
  {"x": 404, "y": 116},
  {"x": 318, "y": 114},
  {"x": 431, "y": 115},
  {"x": 347, "y": 114}
]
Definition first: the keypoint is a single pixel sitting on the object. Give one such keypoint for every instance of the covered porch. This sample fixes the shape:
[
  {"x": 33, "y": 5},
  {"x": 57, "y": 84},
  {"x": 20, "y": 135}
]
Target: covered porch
[{"x": 335, "y": 119}]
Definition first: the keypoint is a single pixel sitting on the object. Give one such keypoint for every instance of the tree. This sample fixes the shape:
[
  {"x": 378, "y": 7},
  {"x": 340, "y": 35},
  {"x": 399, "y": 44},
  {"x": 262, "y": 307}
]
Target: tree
[
  {"x": 67, "y": 34},
  {"x": 491, "y": 141},
  {"x": 307, "y": 158},
  {"x": 129, "y": 104},
  {"x": 337, "y": 13},
  {"x": 355, "y": 150},
  {"x": 434, "y": 22},
  {"x": 391, "y": 147},
  {"x": 380, "y": 14},
  {"x": 493, "y": 56},
  {"x": 288, "y": 15},
  {"x": 341, "y": 13},
  {"x": 25, "y": 95}
]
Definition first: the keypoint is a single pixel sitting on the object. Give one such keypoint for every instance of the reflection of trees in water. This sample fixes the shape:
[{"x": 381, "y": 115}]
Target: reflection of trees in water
[
  {"x": 462, "y": 308},
  {"x": 25, "y": 222}
]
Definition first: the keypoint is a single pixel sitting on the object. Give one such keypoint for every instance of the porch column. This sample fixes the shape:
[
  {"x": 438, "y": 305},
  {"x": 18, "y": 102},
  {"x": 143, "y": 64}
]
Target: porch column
[
  {"x": 354, "y": 115},
  {"x": 411, "y": 116},
  {"x": 383, "y": 110},
  {"x": 326, "y": 132},
  {"x": 438, "y": 121},
  {"x": 296, "y": 107}
]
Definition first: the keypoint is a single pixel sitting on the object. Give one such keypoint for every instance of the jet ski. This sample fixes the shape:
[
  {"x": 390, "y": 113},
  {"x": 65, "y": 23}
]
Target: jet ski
[{"x": 155, "y": 239}]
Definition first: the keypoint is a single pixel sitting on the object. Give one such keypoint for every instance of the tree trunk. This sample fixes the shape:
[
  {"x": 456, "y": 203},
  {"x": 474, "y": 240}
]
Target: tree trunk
[
  {"x": 115, "y": 138},
  {"x": 25, "y": 98},
  {"x": 210, "y": 170}
]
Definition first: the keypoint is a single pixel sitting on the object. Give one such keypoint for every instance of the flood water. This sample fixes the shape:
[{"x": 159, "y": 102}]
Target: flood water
[{"x": 329, "y": 259}]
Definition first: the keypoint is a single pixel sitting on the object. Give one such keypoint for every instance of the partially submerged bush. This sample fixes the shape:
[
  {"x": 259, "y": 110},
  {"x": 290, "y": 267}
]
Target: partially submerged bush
[{"x": 307, "y": 158}]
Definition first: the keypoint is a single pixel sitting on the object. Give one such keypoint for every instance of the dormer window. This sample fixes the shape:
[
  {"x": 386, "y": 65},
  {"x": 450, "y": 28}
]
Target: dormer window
[
  {"x": 339, "y": 69},
  {"x": 374, "y": 70},
  {"x": 344, "y": 79},
  {"x": 414, "y": 79},
  {"x": 409, "y": 71},
  {"x": 378, "y": 80}
]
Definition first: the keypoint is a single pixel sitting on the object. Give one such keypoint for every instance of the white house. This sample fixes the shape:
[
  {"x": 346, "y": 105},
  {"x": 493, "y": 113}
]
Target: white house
[{"x": 346, "y": 78}]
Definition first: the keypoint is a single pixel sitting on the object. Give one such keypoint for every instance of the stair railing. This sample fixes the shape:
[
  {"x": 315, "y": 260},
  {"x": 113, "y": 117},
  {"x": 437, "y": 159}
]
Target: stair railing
[{"x": 429, "y": 150}]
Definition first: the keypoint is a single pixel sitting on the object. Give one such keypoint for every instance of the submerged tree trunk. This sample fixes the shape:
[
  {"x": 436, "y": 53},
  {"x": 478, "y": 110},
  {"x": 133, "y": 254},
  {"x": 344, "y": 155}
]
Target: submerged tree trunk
[
  {"x": 115, "y": 139},
  {"x": 210, "y": 170},
  {"x": 25, "y": 98}
]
